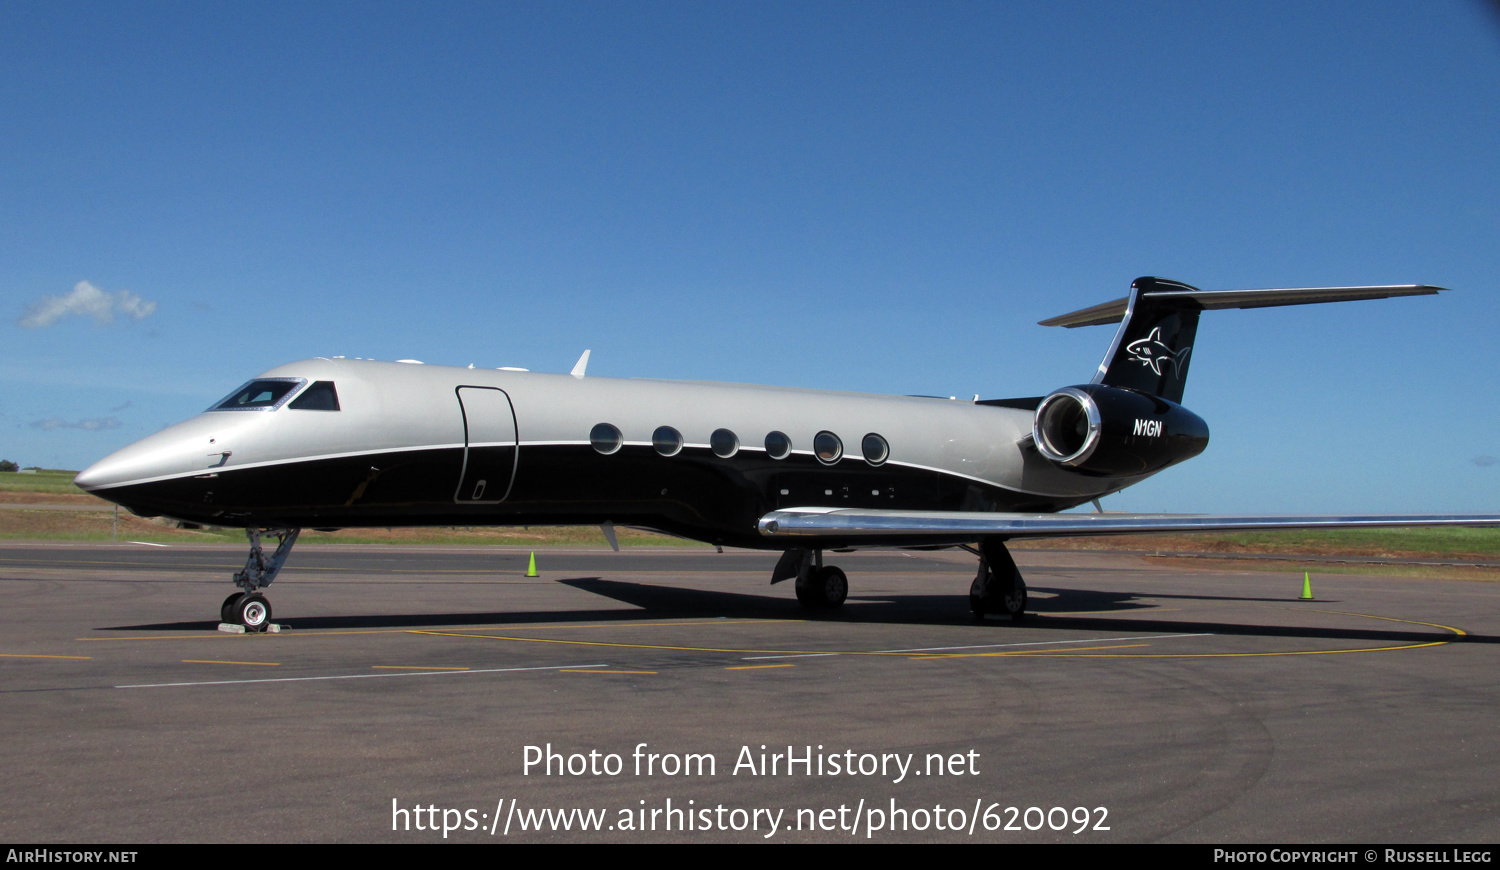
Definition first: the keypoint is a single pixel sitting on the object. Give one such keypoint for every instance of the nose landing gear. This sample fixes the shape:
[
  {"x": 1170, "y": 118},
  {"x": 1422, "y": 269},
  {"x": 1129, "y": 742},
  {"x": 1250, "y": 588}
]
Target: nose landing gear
[{"x": 248, "y": 607}]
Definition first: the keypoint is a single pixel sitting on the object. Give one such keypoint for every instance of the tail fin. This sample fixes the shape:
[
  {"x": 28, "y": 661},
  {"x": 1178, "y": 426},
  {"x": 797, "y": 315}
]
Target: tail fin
[
  {"x": 1151, "y": 348},
  {"x": 1159, "y": 320}
]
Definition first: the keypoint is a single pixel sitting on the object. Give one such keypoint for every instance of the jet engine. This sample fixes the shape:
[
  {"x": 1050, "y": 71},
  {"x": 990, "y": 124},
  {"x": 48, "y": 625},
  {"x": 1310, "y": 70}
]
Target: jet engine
[{"x": 1113, "y": 432}]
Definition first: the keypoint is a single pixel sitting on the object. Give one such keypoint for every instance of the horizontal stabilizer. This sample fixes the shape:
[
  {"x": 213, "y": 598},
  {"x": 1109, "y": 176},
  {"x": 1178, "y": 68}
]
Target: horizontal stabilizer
[
  {"x": 1207, "y": 300},
  {"x": 854, "y": 523}
]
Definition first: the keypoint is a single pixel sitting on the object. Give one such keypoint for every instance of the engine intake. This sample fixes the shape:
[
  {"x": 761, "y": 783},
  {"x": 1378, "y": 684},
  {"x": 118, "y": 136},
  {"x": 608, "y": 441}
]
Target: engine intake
[{"x": 1107, "y": 431}]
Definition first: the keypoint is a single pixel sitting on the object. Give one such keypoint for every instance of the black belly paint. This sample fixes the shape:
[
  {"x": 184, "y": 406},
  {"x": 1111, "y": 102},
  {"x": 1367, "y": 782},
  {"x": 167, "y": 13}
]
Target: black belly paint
[{"x": 694, "y": 494}]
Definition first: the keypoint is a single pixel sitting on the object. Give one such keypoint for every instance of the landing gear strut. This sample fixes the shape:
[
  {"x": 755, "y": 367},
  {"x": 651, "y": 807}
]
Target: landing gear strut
[
  {"x": 819, "y": 586},
  {"x": 248, "y": 607},
  {"x": 998, "y": 588}
]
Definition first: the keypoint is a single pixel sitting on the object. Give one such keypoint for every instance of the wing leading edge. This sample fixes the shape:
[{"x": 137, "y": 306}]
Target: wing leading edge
[{"x": 855, "y": 523}]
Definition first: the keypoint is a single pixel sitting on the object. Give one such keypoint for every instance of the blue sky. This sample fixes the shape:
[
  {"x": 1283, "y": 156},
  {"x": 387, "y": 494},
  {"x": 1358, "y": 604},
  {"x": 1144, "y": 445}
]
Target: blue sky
[{"x": 862, "y": 196}]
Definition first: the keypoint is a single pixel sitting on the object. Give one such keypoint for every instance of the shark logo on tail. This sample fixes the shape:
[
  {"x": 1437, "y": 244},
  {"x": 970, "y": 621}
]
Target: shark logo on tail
[{"x": 1152, "y": 352}]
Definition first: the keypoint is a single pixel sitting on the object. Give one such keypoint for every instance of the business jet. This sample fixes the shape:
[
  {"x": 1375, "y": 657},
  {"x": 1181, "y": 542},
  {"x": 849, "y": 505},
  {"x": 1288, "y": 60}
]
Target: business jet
[{"x": 334, "y": 443}]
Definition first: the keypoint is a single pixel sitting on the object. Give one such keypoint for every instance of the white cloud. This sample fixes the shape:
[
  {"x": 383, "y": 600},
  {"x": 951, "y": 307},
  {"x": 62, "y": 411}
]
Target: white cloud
[
  {"x": 91, "y": 425},
  {"x": 87, "y": 300}
]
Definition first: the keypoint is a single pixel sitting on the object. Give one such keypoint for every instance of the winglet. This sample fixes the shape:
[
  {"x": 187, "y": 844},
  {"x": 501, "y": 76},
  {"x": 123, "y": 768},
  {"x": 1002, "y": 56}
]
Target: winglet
[
  {"x": 608, "y": 528},
  {"x": 583, "y": 363}
]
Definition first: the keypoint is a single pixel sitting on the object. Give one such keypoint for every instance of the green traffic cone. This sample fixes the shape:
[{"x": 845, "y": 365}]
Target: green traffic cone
[
  {"x": 531, "y": 567},
  {"x": 1306, "y": 587}
]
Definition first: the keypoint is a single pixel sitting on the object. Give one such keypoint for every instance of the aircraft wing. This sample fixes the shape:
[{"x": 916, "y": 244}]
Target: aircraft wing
[{"x": 856, "y": 523}]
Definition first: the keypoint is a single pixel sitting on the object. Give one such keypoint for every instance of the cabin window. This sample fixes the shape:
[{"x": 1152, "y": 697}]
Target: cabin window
[
  {"x": 778, "y": 446},
  {"x": 606, "y": 438},
  {"x": 667, "y": 441},
  {"x": 263, "y": 394},
  {"x": 724, "y": 443},
  {"x": 875, "y": 449},
  {"x": 827, "y": 447},
  {"x": 321, "y": 396}
]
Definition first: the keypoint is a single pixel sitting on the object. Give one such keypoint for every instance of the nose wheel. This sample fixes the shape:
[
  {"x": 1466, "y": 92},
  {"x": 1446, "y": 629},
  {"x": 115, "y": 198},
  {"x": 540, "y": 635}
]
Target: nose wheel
[
  {"x": 249, "y": 607},
  {"x": 226, "y": 610}
]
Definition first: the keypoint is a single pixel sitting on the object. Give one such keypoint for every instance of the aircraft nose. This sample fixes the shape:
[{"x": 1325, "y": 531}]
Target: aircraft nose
[
  {"x": 122, "y": 466},
  {"x": 100, "y": 474},
  {"x": 179, "y": 449}
]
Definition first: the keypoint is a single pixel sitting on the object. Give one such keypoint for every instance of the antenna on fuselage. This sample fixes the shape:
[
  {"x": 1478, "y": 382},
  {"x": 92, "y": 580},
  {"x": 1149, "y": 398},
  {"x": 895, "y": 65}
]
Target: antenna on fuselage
[{"x": 583, "y": 363}]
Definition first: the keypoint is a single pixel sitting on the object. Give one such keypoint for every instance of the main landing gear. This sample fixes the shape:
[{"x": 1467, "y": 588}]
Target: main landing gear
[
  {"x": 819, "y": 587},
  {"x": 249, "y": 607},
  {"x": 998, "y": 588}
]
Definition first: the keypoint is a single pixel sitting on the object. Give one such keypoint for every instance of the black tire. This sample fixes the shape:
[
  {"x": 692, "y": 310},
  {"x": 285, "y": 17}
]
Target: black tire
[
  {"x": 825, "y": 589},
  {"x": 807, "y": 594},
  {"x": 1014, "y": 603},
  {"x": 835, "y": 586},
  {"x": 253, "y": 611},
  {"x": 226, "y": 610}
]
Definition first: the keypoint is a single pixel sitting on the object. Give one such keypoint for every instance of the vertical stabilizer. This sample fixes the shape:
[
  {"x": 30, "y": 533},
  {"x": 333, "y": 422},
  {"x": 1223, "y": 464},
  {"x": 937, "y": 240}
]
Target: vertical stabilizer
[{"x": 1154, "y": 343}]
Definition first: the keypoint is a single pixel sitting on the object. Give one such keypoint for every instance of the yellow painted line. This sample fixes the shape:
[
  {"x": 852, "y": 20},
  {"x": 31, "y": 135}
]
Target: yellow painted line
[
  {"x": 655, "y": 646},
  {"x": 1062, "y": 614},
  {"x": 29, "y": 656},
  {"x": 756, "y": 667},
  {"x": 1253, "y": 655},
  {"x": 217, "y": 662},
  {"x": 1027, "y": 652},
  {"x": 219, "y": 635},
  {"x": 599, "y": 671},
  {"x": 414, "y": 668},
  {"x": 1458, "y": 631},
  {"x": 634, "y": 625},
  {"x": 1048, "y": 652}
]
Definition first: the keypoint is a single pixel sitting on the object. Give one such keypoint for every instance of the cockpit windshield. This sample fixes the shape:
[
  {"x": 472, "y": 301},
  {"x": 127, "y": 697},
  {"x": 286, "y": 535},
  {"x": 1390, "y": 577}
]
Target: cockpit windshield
[
  {"x": 321, "y": 396},
  {"x": 264, "y": 394}
]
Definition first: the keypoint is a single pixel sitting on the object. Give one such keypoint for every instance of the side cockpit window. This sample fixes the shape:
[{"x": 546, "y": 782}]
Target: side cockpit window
[
  {"x": 321, "y": 396},
  {"x": 263, "y": 394}
]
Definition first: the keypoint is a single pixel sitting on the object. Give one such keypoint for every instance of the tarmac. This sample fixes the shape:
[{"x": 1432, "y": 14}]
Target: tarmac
[{"x": 417, "y": 695}]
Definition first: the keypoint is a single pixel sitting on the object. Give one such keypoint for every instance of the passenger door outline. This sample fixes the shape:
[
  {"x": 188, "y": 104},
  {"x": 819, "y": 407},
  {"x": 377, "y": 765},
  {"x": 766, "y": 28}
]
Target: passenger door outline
[{"x": 491, "y": 447}]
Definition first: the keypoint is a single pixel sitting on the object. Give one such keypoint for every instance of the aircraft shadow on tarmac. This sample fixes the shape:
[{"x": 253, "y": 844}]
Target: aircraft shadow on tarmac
[{"x": 1054, "y": 612}]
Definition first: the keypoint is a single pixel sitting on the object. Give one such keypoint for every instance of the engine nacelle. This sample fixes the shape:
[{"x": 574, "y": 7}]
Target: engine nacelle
[{"x": 1111, "y": 432}]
